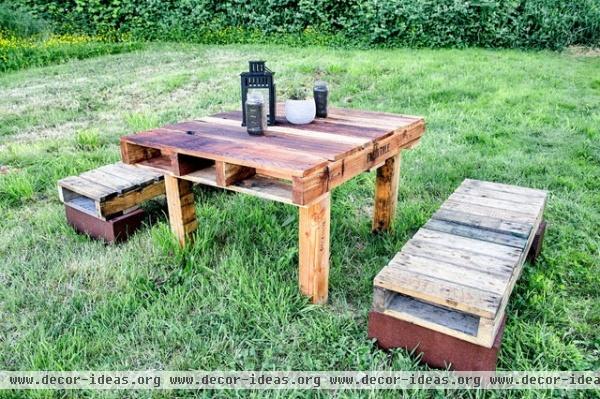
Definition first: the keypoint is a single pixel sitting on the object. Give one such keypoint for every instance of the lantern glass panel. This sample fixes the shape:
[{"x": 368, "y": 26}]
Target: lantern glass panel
[{"x": 262, "y": 92}]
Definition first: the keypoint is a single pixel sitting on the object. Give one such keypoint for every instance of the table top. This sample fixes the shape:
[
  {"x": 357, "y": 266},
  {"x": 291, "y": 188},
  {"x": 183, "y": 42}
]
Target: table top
[{"x": 285, "y": 150}]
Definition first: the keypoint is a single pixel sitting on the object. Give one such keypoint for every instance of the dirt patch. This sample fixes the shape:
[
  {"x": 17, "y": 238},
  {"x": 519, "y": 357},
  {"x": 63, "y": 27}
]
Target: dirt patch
[{"x": 581, "y": 51}]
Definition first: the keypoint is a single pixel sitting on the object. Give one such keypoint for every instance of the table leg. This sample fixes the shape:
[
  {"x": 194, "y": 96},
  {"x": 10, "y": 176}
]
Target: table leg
[
  {"x": 386, "y": 193},
  {"x": 314, "y": 249},
  {"x": 182, "y": 211}
]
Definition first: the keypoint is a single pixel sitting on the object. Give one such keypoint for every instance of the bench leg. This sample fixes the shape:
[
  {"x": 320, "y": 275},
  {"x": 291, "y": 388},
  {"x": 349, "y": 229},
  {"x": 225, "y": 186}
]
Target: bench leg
[
  {"x": 386, "y": 193},
  {"x": 536, "y": 245},
  {"x": 314, "y": 249},
  {"x": 182, "y": 211}
]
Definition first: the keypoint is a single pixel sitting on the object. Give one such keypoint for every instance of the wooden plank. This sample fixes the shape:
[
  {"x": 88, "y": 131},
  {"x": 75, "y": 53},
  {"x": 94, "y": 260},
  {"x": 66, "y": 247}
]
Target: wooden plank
[
  {"x": 323, "y": 125},
  {"x": 213, "y": 127},
  {"x": 182, "y": 164},
  {"x": 476, "y": 233},
  {"x": 307, "y": 189},
  {"x": 386, "y": 193},
  {"x": 138, "y": 172},
  {"x": 131, "y": 199},
  {"x": 479, "y": 210},
  {"x": 86, "y": 205},
  {"x": 182, "y": 211},
  {"x": 118, "y": 184},
  {"x": 469, "y": 244},
  {"x": 375, "y": 154},
  {"x": 266, "y": 188},
  {"x": 501, "y": 268},
  {"x": 339, "y": 128},
  {"x": 398, "y": 118},
  {"x": 136, "y": 177},
  {"x": 447, "y": 321},
  {"x": 507, "y": 188},
  {"x": 300, "y": 130},
  {"x": 455, "y": 296},
  {"x": 434, "y": 317},
  {"x": 132, "y": 153},
  {"x": 466, "y": 278},
  {"x": 227, "y": 174},
  {"x": 485, "y": 222},
  {"x": 258, "y": 186},
  {"x": 526, "y": 209},
  {"x": 239, "y": 153},
  {"x": 90, "y": 189},
  {"x": 351, "y": 119},
  {"x": 381, "y": 123},
  {"x": 517, "y": 199},
  {"x": 314, "y": 250}
]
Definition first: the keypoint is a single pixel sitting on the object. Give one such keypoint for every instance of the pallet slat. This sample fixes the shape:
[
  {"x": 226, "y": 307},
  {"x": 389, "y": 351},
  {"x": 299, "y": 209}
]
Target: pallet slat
[
  {"x": 132, "y": 174},
  {"x": 431, "y": 289},
  {"x": 415, "y": 310},
  {"x": 118, "y": 184},
  {"x": 469, "y": 244},
  {"x": 484, "y": 222},
  {"x": 476, "y": 233},
  {"x": 326, "y": 148},
  {"x": 459, "y": 256},
  {"x": 467, "y": 277},
  {"x": 90, "y": 189},
  {"x": 507, "y": 188},
  {"x": 530, "y": 210},
  {"x": 259, "y": 186}
]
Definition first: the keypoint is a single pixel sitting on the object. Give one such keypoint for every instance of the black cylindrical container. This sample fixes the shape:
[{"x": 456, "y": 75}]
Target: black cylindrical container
[
  {"x": 320, "y": 92},
  {"x": 256, "y": 116}
]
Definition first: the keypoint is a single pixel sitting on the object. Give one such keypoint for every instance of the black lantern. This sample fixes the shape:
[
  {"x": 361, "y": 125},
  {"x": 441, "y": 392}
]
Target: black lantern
[{"x": 259, "y": 78}]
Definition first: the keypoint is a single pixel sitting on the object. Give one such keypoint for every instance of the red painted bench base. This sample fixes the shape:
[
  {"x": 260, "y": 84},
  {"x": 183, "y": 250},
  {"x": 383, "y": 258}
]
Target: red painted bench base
[
  {"x": 117, "y": 229},
  {"x": 439, "y": 350}
]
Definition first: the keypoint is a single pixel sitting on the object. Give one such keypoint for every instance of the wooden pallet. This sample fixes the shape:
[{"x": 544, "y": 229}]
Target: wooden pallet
[
  {"x": 293, "y": 164},
  {"x": 456, "y": 274},
  {"x": 110, "y": 190}
]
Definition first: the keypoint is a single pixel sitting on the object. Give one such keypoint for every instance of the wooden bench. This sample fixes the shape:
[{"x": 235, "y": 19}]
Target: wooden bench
[
  {"x": 103, "y": 202},
  {"x": 455, "y": 276}
]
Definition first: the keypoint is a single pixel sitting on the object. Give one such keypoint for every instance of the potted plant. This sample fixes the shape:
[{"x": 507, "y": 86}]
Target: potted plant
[{"x": 298, "y": 109}]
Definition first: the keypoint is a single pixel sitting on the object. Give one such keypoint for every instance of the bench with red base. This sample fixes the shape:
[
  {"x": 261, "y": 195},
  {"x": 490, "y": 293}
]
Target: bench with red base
[
  {"x": 103, "y": 203},
  {"x": 445, "y": 293}
]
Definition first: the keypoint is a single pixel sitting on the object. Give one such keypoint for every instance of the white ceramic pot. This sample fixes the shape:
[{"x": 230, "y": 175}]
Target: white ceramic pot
[{"x": 300, "y": 112}]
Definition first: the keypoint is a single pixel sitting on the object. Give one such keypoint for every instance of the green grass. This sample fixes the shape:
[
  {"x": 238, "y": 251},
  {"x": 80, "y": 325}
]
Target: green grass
[
  {"x": 231, "y": 301},
  {"x": 18, "y": 52}
]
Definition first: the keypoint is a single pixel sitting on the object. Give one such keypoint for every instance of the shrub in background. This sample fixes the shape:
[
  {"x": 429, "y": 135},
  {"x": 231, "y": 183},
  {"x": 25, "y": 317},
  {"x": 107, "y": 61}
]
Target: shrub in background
[
  {"x": 26, "y": 40},
  {"x": 417, "y": 23},
  {"x": 19, "y": 22}
]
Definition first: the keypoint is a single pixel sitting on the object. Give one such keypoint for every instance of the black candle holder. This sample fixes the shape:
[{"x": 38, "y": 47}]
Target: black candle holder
[{"x": 320, "y": 92}]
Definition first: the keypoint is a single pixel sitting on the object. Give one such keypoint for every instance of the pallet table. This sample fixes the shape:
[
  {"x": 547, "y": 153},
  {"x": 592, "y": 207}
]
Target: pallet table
[{"x": 294, "y": 164}]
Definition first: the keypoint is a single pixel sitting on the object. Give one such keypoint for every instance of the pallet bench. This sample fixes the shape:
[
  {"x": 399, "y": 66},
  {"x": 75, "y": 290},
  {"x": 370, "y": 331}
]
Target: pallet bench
[
  {"x": 103, "y": 202},
  {"x": 446, "y": 291}
]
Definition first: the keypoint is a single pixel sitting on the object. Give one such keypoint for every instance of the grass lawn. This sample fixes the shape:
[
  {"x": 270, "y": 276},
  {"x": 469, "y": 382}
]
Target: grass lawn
[{"x": 231, "y": 300}]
